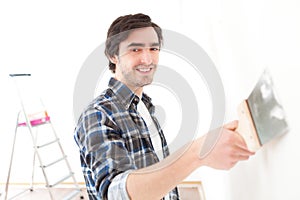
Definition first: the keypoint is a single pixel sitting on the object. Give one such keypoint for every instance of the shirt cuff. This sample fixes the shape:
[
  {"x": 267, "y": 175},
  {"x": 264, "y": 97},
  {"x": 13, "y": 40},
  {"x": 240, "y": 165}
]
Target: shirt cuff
[{"x": 117, "y": 188}]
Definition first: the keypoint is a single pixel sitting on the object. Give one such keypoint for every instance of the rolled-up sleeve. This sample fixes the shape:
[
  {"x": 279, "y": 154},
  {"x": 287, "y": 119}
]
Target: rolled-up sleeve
[{"x": 117, "y": 189}]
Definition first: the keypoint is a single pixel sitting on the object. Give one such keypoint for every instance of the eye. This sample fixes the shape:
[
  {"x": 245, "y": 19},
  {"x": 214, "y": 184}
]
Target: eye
[
  {"x": 154, "y": 49},
  {"x": 135, "y": 50}
]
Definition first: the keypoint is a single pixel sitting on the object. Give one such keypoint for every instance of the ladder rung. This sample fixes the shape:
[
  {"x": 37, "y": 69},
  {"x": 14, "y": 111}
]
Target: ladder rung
[
  {"x": 56, "y": 161},
  {"x": 40, "y": 146},
  {"x": 72, "y": 194},
  {"x": 64, "y": 178}
]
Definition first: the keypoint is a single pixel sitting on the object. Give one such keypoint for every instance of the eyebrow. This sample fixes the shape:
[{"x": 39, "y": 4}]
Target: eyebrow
[{"x": 135, "y": 44}]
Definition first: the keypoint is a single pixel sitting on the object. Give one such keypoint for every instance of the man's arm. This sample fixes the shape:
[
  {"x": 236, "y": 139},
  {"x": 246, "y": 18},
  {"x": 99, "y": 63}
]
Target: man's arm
[{"x": 156, "y": 181}]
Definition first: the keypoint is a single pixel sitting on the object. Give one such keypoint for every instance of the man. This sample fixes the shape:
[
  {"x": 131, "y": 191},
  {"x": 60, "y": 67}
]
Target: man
[{"x": 115, "y": 134}]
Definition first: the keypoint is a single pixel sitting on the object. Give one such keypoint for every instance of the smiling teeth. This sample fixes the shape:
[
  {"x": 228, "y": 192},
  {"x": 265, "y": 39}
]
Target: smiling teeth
[{"x": 144, "y": 70}]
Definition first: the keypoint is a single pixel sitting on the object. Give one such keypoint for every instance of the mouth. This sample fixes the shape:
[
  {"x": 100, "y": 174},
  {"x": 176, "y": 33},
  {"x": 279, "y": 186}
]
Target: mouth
[{"x": 144, "y": 70}]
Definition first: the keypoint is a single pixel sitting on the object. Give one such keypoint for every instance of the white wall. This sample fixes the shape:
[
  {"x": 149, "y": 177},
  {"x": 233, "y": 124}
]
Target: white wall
[
  {"x": 52, "y": 40},
  {"x": 268, "y": 35}
]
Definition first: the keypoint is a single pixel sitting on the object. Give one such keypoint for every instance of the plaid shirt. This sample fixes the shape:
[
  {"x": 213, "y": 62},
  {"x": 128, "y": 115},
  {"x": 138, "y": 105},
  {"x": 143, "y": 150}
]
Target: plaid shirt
[{"x": 113, "y": 140}]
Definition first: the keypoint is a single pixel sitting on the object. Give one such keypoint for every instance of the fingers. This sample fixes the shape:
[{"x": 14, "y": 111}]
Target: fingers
[
  {"x": 242, "y": 144},
  {"x": 243, "y": 154},
  {"x": 239, "y": 149},
  {"x": 231, "y": 125},
  {"x": 227, "y": 149}
]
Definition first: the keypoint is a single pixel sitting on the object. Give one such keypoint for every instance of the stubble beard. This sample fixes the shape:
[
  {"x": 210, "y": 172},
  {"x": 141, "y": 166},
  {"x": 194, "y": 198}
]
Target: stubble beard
[{"x": 140, "y": 81}]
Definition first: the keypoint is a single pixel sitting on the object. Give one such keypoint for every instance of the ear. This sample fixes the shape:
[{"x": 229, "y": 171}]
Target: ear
[{"x": 114, "y": 59}]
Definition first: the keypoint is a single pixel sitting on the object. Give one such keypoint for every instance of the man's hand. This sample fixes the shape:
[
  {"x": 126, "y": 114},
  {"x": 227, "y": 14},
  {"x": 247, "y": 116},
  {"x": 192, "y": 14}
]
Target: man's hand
[{"x": 226, "y": 149}]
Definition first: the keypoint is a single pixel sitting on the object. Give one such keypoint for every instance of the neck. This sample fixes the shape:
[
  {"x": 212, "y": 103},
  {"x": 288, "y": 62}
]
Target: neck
[{"x": 138, "y": 91}]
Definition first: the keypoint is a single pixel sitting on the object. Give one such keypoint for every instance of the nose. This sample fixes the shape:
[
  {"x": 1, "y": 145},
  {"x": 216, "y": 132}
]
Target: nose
[{"x": 146, "y": 57}]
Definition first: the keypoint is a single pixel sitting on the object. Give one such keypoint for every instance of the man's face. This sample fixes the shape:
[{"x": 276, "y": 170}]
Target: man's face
[{"x": 138, "y": 58}]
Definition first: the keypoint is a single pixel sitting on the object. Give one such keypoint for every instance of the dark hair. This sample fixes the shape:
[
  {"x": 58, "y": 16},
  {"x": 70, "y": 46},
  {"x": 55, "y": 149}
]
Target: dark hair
[{"x": 121, "y": 28}]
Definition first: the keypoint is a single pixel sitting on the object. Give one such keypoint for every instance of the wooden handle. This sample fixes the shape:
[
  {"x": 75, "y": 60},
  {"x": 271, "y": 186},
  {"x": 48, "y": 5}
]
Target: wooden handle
[{"x": 246, "y": 127}]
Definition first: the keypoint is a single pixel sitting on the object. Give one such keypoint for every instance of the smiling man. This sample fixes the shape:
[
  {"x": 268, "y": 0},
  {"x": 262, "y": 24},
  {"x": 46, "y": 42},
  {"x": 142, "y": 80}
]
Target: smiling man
[{"x": 119, "y": 136}]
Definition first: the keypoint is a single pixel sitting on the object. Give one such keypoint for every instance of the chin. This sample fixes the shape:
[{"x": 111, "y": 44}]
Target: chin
[{"x": 144, "y": 83}]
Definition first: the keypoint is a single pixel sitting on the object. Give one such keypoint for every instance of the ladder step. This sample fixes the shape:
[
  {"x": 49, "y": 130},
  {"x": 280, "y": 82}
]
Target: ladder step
[
  {"x": 61, "y": 180},
  {"x": 56, "y": 161},
  {"x": 72, "y": 194},
  {"x": 40, "y": 146},
  {"x": 36, "y": 122}
]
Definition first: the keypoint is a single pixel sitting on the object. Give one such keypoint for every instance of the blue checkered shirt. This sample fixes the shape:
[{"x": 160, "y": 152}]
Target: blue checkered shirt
[{"x": 114, "y": 140}]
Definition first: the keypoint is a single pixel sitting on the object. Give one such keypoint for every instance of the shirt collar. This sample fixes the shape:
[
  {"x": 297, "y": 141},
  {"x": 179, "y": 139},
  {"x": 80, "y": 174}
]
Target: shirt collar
[{"x": 125, "y": 95}]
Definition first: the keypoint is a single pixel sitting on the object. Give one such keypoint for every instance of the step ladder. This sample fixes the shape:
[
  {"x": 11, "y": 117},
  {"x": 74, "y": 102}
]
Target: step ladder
[{"x": 47, "y": 147}]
